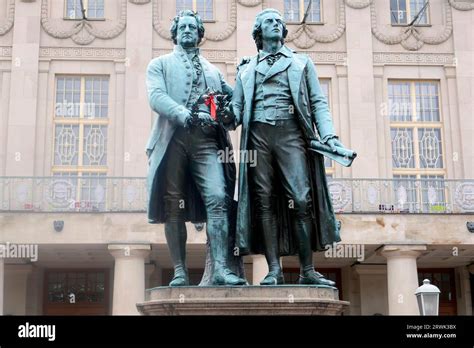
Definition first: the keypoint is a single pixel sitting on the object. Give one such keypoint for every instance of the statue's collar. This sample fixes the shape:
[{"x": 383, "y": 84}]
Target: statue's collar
[
  {"x": 283, "y": 50},
  {"x": 189, "y": 51}
]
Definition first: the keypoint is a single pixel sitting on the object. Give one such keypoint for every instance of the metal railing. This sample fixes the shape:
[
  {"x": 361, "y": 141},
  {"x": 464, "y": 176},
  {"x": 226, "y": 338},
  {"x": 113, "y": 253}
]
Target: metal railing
[
  {"x": 128, "y": 194},
  {"x": 73, "y": 194}
]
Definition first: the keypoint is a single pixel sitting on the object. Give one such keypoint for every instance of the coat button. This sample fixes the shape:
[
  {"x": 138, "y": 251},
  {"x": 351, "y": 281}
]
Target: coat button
[
  {"x": 184, "y": 100},
  {"x": 188, "y": 67},
  {"x": 188, "y": 74},
  {"x": 188, "y": 83},
  {"x": 302, "y": 93}
]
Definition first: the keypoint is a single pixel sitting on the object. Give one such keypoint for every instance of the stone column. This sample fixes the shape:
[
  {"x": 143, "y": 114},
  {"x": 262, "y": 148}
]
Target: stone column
[
  {"x": 341, "y": 100},
  {"x": 402, "y": 277},
  {"x": 351, "y": 290},
  {"x": 463, "y": 41},
  {"x": 119, "y": 153},
  {"x": 139, "y": 43},
  {"x": 2, "y": 276},
  {"x": 129, "y": 277},
  {"x": 5, "y": 78},
  {"x": 383, "y": 123},
  {"x": 373, "y": 289},
  {"x": 15, "y": 289},
  {"x": 362, "y": 107},
  {"x": 259, "y": 269},
  {"x": 22, "y": 117},
  {"x": 42, "y": 165},
  {"x": 453, "y": 126}
]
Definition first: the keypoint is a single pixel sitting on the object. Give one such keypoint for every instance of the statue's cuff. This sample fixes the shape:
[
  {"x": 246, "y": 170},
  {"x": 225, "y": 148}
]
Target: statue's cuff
[
  {"x": 327, "y": 137},
  {"x": 181, "y": 118}
]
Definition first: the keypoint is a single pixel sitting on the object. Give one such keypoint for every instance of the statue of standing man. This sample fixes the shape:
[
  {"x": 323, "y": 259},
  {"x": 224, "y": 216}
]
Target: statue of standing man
[
  {"x": 186, "y": 180},
  {"x": 284, "y": 203}
]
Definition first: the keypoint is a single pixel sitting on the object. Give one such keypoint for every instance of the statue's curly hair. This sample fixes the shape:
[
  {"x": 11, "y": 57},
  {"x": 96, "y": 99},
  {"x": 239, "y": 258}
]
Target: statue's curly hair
[
  {"x": 257, "y": 28},
  {"x": 186, "y": 13}
]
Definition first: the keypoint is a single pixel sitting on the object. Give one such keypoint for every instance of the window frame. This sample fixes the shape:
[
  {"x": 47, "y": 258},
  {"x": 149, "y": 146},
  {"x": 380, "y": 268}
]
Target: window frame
[
  {"x": 82, "y": 122},
  {"x": 415, "y": 124},
  {"x": 418, "y": 173},
  {"x": 194, "y": 9},
  {"x": 86, "y": 6},
  {"x": 302, "y": 9},
  {"x": 398, "y": 24},
  {"x": 83, "y": 174}
]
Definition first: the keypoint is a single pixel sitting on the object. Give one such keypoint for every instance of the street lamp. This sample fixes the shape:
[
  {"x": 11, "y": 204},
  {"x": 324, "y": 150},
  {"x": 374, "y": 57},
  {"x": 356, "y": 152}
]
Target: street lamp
[{"x": 427, "y": 296}]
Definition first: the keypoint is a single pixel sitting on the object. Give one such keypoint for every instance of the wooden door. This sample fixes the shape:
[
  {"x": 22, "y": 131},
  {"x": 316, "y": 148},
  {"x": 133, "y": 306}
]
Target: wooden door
[
  {"x": 443, "y": 278},
  {"x": 76, "y": 292}
]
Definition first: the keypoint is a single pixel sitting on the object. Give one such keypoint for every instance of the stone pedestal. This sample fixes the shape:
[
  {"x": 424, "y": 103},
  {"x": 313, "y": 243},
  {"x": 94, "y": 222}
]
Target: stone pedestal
[{"x": 243, "y": 300}]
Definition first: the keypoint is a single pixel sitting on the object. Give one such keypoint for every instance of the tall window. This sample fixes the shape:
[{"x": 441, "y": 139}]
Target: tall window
[
  {"x": 295, "y": 10},
  {"x": 417, "y": 145},
  {"x": 205, "y": 8},
  {"x": 81, "y": 119},
  {"x": 94, "y": 9},
  {"x": 404, "y": 11}
]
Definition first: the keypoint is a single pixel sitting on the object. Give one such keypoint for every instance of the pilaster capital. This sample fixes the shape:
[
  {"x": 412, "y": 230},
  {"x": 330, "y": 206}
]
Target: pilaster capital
[
  {"x": 123, "y": 251},
  {"x": 402, "y": 250}
]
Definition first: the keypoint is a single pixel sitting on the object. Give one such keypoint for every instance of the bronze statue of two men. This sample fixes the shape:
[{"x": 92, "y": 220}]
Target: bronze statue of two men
[{"x": 284, "y": 207}]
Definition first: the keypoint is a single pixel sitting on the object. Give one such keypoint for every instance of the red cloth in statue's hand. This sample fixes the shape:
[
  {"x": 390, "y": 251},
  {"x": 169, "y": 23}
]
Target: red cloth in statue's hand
[{"x": 211, "y": 101}]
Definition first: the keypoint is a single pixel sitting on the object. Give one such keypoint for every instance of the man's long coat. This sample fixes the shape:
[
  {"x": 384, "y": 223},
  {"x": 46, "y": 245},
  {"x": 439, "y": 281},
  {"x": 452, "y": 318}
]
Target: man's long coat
[
  {"x": 310, "y": 103},
  {"x": 169, "y": 82}
]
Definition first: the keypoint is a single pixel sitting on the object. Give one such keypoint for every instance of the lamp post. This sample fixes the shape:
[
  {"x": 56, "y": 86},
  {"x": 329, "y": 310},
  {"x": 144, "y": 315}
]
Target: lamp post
[{"x": 427, "y": 296}]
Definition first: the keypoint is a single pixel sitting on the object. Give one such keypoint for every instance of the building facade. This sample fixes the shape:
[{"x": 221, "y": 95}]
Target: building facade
[{"x": 74, "y": 120}]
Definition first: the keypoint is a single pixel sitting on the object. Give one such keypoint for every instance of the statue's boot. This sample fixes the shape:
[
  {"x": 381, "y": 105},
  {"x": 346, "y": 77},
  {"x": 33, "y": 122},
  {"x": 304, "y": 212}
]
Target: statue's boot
[
  {"x": 176, "y": 238},
  {"x": 274, "y": 277},
  {"x": 218, "y": 231},
  {"x": 308, "y": 275},
  {"x": 270, "y": 235}
]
